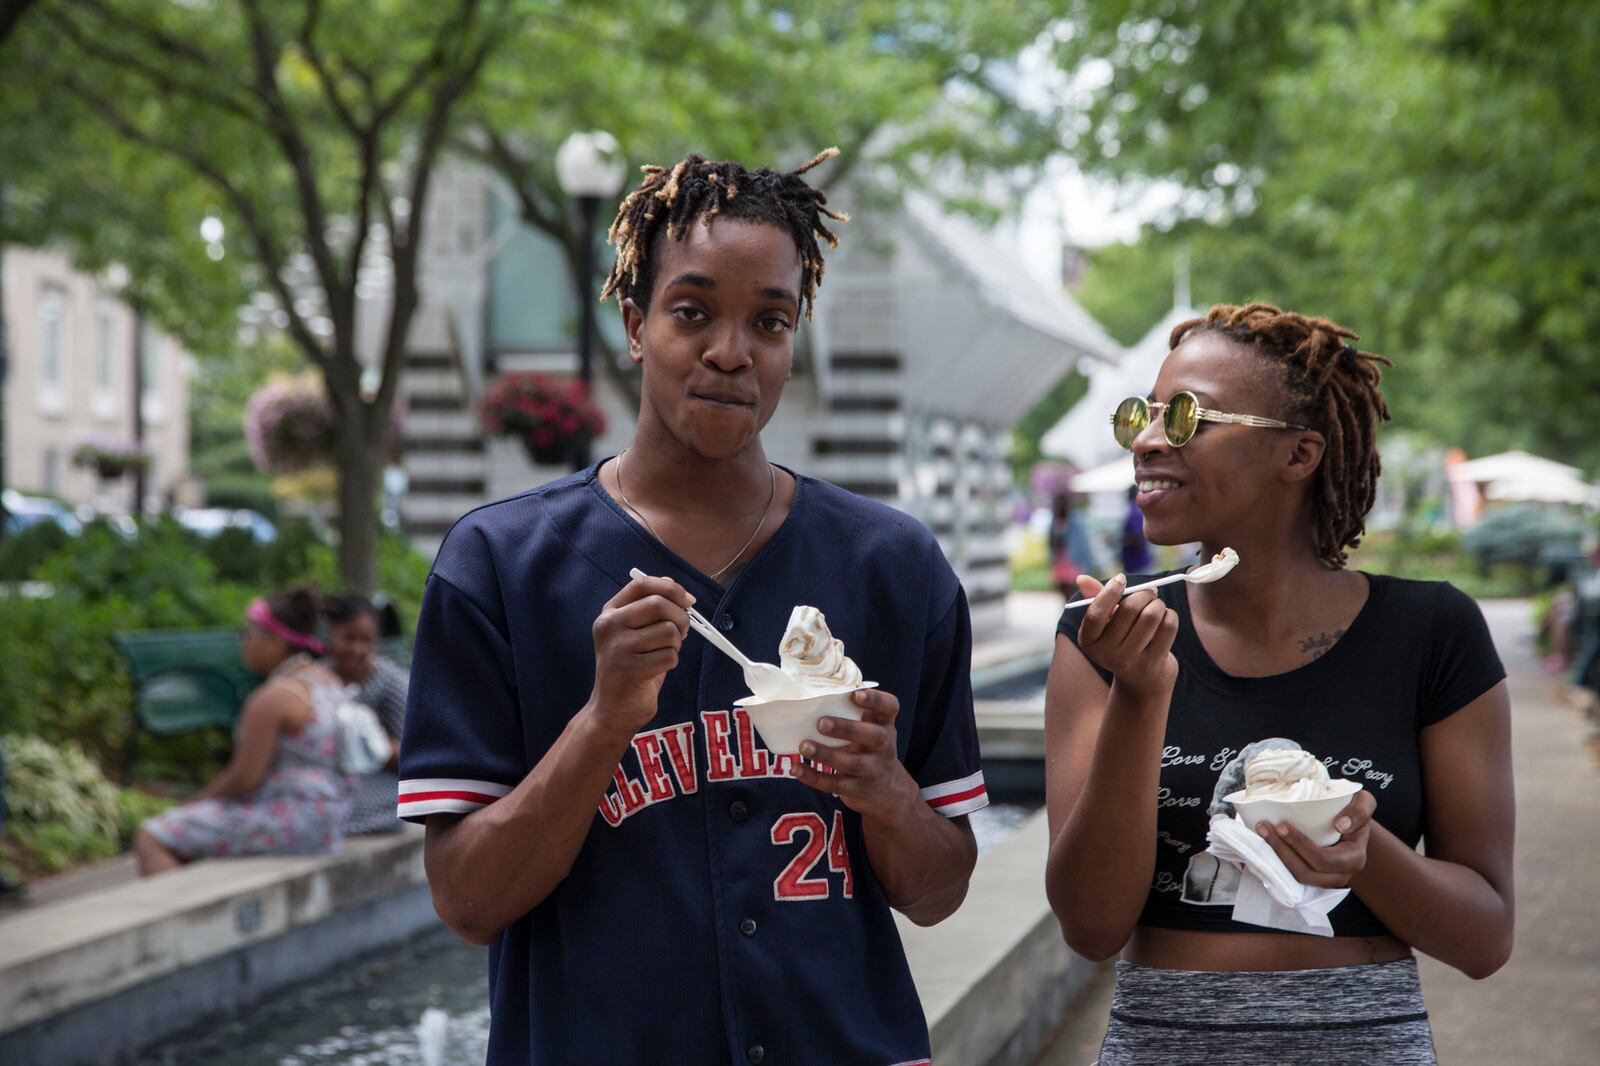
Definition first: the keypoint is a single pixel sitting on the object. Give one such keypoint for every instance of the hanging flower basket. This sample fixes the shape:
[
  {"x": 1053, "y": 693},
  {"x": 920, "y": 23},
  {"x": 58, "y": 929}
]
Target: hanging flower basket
[
  {"x": 111, "y": 460},
  {"x": 292, "y": 427},
  {"x": 552, "y": 417}
]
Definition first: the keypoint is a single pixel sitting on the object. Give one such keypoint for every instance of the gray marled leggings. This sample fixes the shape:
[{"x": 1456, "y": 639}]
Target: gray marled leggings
[{"x": 1349, "y": 1016}]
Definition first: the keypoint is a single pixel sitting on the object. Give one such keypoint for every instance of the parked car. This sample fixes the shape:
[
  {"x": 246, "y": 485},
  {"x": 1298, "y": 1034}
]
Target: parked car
[
  {"x": 207, "y": 522},
  {"x": 23, "y": 512}
]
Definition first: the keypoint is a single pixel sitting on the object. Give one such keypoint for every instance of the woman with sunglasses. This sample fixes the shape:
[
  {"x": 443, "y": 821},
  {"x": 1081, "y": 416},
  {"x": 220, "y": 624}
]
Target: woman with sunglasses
[{"x": 1259, "y": 435}]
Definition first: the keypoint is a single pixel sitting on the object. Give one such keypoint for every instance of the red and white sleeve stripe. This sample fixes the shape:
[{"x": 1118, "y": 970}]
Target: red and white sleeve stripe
[
  {"x": 958, "y": 797},
  {"x": 446, "y": 795}
]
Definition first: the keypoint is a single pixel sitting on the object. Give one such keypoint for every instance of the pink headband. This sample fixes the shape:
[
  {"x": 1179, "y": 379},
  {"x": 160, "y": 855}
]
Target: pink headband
[{"x": 259, "y": 613}]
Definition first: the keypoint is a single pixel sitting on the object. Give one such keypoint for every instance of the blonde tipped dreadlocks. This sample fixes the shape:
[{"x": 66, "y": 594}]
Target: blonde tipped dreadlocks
[
  {"x": 668, "y": 200},
  {"x": 1329, "y": 384}
]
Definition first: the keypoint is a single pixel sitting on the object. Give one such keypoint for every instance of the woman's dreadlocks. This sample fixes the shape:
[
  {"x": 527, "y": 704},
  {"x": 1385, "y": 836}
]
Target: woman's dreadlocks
[
  {"x": 1329, "y": 384},
  {"x": 667, "y": 201}
]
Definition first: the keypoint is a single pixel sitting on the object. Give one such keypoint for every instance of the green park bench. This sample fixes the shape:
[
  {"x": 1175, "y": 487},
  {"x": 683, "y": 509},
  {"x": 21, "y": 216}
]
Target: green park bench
[{"x": 190, "y": 679}]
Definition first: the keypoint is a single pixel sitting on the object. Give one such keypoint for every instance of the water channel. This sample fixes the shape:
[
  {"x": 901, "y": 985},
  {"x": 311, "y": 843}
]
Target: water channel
[{"x": 426, "y": 1004}]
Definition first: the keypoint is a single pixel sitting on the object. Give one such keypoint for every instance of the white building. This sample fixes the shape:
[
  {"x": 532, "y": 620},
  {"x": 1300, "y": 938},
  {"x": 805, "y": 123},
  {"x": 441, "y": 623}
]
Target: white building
[
  {"x": 929, "y": 342},
  {"x": 77, "y": 357}
]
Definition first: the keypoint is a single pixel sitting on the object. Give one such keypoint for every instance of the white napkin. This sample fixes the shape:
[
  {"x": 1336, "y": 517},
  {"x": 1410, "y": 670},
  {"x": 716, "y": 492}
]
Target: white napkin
[{"x": 1268, "y": 894}]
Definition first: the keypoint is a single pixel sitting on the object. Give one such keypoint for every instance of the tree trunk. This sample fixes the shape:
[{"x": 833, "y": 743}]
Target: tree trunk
[{"x": 361, "y": 458}]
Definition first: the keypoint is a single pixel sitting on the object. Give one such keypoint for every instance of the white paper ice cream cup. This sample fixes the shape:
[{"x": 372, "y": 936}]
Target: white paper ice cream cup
[
  {"x": 1313, "y": 817},
  {"x": 783, "y": 724}
]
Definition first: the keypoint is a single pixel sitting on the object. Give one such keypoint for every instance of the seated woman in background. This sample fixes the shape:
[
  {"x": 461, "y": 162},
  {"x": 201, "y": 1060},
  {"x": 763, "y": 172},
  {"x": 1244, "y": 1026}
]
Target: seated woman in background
[
  {"x": 353, "y": 631},
  {"x": 282, "y": 793}
]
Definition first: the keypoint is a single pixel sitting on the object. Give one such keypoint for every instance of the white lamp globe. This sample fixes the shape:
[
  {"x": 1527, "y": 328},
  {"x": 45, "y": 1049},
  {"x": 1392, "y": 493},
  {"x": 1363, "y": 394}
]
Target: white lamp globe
[{"x": 590, "y": 163}]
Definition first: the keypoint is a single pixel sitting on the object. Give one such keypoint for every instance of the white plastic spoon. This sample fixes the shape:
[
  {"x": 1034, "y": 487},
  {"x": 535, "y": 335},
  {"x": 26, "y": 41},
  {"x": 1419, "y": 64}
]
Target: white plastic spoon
[
  {"x": 767, "y": 682},
  {"x": 1204, "y": 574}
]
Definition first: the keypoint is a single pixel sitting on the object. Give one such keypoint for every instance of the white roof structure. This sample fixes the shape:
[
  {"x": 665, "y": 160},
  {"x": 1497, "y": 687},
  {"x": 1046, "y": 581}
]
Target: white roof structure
[
  {"x": 992, "y": 357},
  {"x": 1083, "y": 435},
  {"x": 1519, "y": 476}
]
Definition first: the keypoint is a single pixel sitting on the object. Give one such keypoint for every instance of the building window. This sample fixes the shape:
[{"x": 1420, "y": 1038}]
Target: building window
[
  {"x": 52, "y": 471},
  {"x": 150, "y": 361},
  {"x": 103, "y": 333},
  {"x": 52, "y": 337}
]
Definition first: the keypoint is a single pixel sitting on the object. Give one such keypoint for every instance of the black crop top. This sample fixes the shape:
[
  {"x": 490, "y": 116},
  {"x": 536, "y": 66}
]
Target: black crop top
[{"x": 1417, "y": 652}]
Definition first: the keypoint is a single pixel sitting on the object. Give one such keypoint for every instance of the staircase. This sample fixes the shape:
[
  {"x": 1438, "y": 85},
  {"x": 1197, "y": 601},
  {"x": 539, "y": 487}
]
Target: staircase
[{"x": 444, "y": 456}]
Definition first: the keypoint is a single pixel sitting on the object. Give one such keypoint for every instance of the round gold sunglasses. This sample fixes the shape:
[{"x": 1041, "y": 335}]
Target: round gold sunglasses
[{"x": 1180, "y": 417}]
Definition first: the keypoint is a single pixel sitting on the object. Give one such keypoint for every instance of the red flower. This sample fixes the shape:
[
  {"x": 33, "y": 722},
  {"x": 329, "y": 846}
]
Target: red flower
[{"x": 543, "y": 411}]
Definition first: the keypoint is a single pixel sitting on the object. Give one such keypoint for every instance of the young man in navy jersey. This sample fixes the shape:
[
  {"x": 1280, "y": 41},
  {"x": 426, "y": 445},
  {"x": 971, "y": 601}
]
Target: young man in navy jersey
[{"x": 656, "y": 886}]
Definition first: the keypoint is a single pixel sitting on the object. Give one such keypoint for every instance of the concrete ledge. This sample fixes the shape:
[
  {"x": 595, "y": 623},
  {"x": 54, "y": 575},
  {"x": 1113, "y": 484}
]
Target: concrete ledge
[
  {"x": 996, "y": 978},
  {"x": 1007, "y": 657},
  {"x": 95, "y": 979},
  {"x": 115, "y": 1030},
  {"x": 59, "y": 957},
  {"x": 1009, "y": 729}
]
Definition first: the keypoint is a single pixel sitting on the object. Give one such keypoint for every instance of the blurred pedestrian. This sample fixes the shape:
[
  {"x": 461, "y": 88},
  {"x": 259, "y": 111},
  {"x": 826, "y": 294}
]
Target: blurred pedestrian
[
  {"x": 282, "y": 792},
  {"x": 1136, "y": 555},
  {"x": 355, "y": 624},
  {"x": 1071, "y": 552}
]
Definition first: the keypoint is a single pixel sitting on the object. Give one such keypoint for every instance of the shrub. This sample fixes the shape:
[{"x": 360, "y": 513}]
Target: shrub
[
  {"x": 21, "y": 552},
  {"x": 236, "y": 555},
  {"x": 60, "y": 808},
  {"x": 62, "y": 680},
  {"x": 291, "y": 557}
]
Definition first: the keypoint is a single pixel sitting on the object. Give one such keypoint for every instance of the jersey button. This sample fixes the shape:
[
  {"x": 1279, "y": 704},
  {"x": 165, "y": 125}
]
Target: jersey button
[
  {"x": 725, "y": 622},
  {"x": 747, "y": 926},
  {"x": 738, "y": 810},
  {"x": 755, "y": 1053}
]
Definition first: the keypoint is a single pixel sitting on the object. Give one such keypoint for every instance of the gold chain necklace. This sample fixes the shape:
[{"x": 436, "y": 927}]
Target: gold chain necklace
[{"x": 772, "y": 492}]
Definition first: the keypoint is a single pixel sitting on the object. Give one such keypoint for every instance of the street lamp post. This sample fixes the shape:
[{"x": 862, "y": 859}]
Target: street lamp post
[{"x": 590, "y": 167}]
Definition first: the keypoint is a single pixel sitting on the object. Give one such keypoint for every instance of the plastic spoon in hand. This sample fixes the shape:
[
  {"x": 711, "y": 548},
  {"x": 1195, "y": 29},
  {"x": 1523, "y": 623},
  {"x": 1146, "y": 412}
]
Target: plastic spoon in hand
[
  {"x": 767, "y": 682},
  {"x": 1217, "y": 568}
]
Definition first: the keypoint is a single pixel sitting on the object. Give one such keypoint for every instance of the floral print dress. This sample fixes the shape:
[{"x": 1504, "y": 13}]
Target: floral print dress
[{"x": 297, "y": 810}]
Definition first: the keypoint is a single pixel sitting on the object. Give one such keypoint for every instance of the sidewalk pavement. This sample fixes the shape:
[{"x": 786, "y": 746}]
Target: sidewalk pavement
[{"x": 1544, "y": 1006}]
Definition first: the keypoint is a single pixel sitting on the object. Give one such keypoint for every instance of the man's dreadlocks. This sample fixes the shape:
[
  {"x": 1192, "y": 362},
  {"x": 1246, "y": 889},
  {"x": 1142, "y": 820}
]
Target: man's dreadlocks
[
  {"x": 667, "y": 201},
  {"x": 1329, "y": 384}
]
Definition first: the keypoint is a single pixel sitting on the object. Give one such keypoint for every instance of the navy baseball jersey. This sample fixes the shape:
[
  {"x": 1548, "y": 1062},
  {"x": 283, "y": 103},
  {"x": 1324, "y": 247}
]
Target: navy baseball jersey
[{"x": 719, "y": 911}]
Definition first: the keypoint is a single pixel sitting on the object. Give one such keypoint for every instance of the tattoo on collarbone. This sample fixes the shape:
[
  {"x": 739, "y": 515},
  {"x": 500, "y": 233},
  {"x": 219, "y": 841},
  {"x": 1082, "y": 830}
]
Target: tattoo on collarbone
[{"x": 1318, "y": 646}]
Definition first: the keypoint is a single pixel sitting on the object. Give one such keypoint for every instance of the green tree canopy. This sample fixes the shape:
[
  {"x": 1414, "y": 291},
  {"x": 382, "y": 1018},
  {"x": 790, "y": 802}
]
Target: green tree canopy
[
  {"x": 311, "y": 130},
  {"x": 1420, "y": 170}
]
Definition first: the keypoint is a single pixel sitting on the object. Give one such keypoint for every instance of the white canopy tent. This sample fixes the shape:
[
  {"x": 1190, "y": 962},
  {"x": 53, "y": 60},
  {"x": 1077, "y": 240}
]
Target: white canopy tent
[{"x": 1518, "y": 476}]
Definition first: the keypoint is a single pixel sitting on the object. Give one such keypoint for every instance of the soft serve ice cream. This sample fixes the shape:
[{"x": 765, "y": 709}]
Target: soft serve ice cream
[
  {"x": 1286, "y": 774},
  {"x": 810, "y": 654},
  {"x": 1220, "y": 566}
]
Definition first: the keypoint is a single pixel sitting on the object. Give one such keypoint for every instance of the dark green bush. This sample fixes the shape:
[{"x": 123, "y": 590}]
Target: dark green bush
[
  {"x": 21, "y": 552},
  {"x": 291, "y": 558},
  {"x": 235, "y": 555},
  {"x": 61, "y": 678}
]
